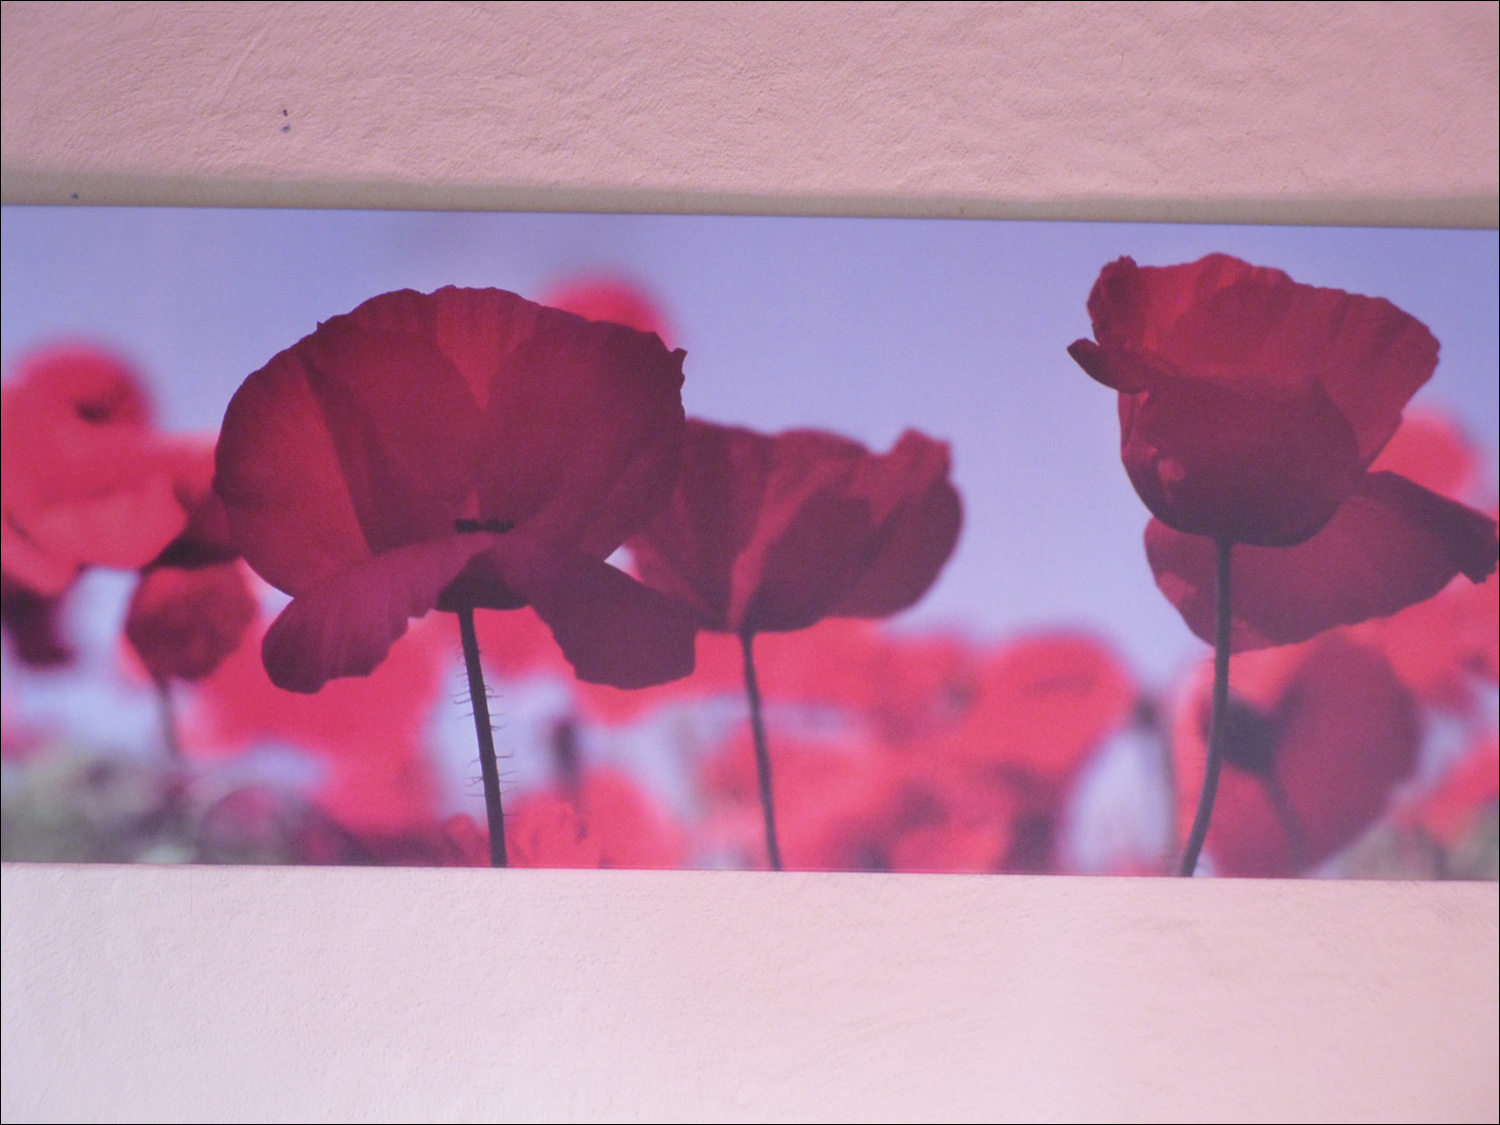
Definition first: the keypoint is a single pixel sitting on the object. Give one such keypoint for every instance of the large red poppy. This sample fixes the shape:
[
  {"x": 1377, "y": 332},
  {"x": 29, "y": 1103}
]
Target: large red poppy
[
  {"x": 1317, "y": 737},
  {"x": 463, "y": 449},
  {"x": 1251, "y": 409},
  {"x": 769, "y": 534}
]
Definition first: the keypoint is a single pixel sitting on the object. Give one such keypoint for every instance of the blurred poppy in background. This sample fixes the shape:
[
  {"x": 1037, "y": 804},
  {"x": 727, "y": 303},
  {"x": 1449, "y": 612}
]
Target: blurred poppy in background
[
  {"x": 1317, "y": 737},
  {"x": 602, "y": 297},
  {"x": 87, "y": 481}
]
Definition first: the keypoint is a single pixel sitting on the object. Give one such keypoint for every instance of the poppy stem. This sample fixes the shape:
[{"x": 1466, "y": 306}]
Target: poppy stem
[
  {"x": 762, "y": 754},
  {"x": 168, "y": 719},
  {"x": 486, "y": 736},
  {"x": 1291, "y": 824},
  {"x": 1216, "y": 725}
]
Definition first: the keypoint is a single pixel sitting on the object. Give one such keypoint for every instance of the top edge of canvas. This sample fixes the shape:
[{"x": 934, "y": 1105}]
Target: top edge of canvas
[{"x": 27, "y": 188}]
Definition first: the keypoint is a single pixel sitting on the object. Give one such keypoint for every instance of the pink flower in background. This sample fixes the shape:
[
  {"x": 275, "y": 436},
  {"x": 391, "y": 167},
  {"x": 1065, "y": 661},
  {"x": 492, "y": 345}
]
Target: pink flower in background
[
  {"x": 1251, "y": 410},
  {"x": 613, "y": 299},
  {"x": 1452, "y": 808},
  {"x": 1318, "y": 736},
  {"x": 87, "y": 480},
  {"x": 369, "y": 734},
  {"x": 463, "y": 449},
  {"x": 608, "y": 822}
]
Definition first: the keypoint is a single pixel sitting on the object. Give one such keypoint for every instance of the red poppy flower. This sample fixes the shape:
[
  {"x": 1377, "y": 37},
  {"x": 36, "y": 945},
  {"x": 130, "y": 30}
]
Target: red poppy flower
[
  {"x": 1251, "y": 408},
  {"x": 768, "y": 534},
  {"x": 456, "y": 450},
  {"x": 86, "y": 480},
  {"x": 1318, "y": 736}
]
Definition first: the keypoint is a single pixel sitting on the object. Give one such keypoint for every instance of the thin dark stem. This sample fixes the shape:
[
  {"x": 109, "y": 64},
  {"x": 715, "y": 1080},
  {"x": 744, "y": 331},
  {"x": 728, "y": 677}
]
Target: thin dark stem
[
  {"x": 1291, "y": 824},
  {"x": 486, "y": 735},
  {"x": 168, "y": 719},
  {"x": 1221, "y": 703},
  {"x": 762, "y": 755}
]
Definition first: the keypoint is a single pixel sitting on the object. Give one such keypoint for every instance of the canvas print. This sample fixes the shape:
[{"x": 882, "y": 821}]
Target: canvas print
[{"x": 730, "y": 542}]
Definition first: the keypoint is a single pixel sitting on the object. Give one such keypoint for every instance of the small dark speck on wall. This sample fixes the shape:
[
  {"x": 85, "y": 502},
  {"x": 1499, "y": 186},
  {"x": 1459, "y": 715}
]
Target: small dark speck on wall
[{"x": 286, "y": 128}]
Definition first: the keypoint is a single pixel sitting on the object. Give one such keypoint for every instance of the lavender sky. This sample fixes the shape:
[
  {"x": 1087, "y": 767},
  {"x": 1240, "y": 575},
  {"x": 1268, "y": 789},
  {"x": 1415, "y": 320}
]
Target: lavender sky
[{"x": 864, "y": 326}]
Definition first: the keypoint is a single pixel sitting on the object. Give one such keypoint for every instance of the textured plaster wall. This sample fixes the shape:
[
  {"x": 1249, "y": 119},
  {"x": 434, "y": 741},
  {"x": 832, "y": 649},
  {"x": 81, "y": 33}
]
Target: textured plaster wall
[
  {"x": 949, "y": 107},
  {"x": 237, "y": 994}
]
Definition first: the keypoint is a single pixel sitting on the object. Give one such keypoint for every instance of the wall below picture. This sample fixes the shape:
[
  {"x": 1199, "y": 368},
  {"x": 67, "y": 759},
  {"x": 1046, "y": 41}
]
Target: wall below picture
[{"x": 240, "y": 994}]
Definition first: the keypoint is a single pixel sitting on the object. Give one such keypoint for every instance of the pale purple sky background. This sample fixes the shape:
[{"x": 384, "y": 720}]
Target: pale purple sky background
[{"x": 864, "y": 326}]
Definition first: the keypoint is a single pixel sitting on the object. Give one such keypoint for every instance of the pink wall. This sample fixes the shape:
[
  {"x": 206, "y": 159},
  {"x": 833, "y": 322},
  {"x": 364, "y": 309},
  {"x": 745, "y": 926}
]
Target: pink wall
[{"x": 308, "y": 993}]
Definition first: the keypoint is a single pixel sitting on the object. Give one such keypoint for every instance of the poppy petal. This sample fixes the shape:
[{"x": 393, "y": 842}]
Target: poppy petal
[
  {"x": 914, "y": 544},
  {"x": 1224, "y": 319},
  {"x": 278, "y": 472},
  {"x": 612, "y": 629},
  {"x": 344, "y": 625},
  {"x": 1393, "y": 544},
  {"x": 690, "y": 548},
  {"x": 583, "y": 432},
  {"x": 403, "y": 421}
]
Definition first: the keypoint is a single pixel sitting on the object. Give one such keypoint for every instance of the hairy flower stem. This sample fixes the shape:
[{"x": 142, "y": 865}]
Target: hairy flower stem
[
  {"x": 1216, "y": 725},
  {"x": 486, "y": 735},
  {"x": 762, "y": 755}
]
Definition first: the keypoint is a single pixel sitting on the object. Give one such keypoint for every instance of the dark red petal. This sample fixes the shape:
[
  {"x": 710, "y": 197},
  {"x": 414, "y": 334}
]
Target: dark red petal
[
  {"x": 583, "y": 432},
  {"x": 1223, "y": 319},
  {"x": 1266, "y": 330},
  {"x": 689, "y": 550},
  {"x": 404, "y": 424},
  {"x": 812, "y": 518},
  {"x": 183, "y": 623},
  {"x": 794, "y": 577},
  {"x": 346, "y": 624},
  {"x": 1133, "y": 308},
  {"x": 279, "y": 475},
  {"x": 1390, "y": 546},
  {"x": 1251, "y": 465},
  {"x": 912, "y": 544},
  {"x": 1118, "y": 370},
  {"x": 476, "y": 329},
  {"x": 842, "y": 531},
  {"x": 612, "y": 629}
]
